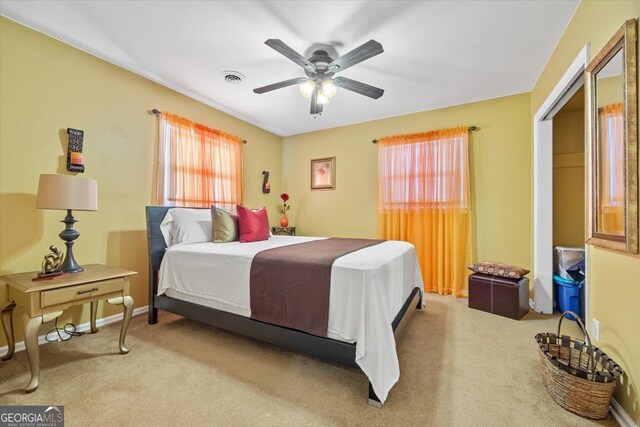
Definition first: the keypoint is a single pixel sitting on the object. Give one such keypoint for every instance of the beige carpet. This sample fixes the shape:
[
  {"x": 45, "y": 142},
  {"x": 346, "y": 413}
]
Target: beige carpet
[{"x": 459, "y": 367}]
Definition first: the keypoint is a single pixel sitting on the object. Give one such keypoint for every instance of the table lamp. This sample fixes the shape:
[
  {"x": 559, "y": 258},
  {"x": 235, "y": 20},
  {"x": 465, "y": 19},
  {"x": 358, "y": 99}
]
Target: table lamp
[{"x": 68, "y": 193}]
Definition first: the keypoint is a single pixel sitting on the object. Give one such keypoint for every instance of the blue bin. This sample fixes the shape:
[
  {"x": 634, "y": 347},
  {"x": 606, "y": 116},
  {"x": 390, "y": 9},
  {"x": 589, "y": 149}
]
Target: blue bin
[{"x": 569, "y": 298}]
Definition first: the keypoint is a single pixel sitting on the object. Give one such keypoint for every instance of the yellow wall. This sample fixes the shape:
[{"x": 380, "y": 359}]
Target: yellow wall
[
  {"x": 568, "y": 178},
  {"x": 47, "y": 86},
  {"x": 500, "y": 164},
  {"x": 614, "y": 287}
]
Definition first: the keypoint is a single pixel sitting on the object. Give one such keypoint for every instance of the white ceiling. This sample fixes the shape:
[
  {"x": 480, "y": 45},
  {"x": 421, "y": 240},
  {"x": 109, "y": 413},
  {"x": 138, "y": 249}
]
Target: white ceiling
[{"x": 437, "y": 53}]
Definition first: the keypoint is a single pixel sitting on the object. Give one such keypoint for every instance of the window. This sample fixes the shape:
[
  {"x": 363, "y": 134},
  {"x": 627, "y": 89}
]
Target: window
[
  {"x": 198, "y": 166},
  {"x": 424, "y": 171}
]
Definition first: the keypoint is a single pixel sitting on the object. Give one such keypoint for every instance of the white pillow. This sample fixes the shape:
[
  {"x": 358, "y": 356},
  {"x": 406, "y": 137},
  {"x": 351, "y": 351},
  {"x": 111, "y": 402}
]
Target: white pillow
[{"x": 184, "y": 225}]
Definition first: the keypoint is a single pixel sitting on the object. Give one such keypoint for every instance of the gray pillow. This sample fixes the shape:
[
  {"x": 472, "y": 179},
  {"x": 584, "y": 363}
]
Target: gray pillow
[{"x": 224, "y": 224}]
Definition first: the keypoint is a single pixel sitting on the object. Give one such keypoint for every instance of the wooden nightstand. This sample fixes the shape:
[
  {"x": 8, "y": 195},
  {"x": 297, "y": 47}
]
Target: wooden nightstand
[
  {"x": 283, "y": 231},
  {"x": 44, "y": 300}
]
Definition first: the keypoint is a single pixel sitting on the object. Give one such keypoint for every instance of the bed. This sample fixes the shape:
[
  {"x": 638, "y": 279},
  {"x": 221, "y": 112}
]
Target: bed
[{"x": 371, "y": 291}]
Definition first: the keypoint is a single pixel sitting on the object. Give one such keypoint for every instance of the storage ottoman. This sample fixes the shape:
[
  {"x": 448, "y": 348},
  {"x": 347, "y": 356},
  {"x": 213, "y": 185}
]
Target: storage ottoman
[{"x": 499, "y": 295}]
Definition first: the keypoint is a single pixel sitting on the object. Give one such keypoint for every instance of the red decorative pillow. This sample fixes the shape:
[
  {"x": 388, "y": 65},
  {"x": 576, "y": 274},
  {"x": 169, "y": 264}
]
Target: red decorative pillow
[{"x": 252, "y": 225}]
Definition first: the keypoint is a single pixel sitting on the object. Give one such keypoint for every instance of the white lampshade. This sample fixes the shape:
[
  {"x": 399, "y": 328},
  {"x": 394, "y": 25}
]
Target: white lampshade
[{"x": 67, "y": 192}]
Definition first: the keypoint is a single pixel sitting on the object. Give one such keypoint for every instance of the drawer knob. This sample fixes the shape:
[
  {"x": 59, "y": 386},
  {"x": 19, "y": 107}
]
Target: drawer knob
[{"x": 87, "y": 291}]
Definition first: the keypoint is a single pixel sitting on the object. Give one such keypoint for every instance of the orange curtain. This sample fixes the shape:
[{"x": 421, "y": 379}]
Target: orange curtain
[
  {"x": 423, "y": 198},
  {"x": 611, "y": 185},
  {"x": 198, "y": 166}
]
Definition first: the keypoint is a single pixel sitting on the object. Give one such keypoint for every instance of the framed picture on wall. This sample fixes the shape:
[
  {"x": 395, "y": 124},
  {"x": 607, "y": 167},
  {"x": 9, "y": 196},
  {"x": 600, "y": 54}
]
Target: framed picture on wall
[{"x": 323, "y": 173}]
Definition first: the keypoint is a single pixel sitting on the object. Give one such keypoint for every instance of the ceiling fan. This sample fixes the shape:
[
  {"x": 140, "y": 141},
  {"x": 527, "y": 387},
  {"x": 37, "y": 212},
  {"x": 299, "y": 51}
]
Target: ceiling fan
[{"x": 320, "y": 83}]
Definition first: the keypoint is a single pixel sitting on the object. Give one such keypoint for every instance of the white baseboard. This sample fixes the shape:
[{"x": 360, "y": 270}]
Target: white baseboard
[
  {"x": 84, "y": 327},
  {"x": 621, "y": 415}
]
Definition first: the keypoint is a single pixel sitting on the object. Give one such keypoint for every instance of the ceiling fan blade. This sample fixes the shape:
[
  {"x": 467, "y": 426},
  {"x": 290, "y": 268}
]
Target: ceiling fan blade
[
  {"x": 357, "y": 55},
  {"x": 287, "y": 51},
  {"x": 316, "y": 108},
  {"x": 358, "y": 87},
  {"x": 280, "y": 85}
]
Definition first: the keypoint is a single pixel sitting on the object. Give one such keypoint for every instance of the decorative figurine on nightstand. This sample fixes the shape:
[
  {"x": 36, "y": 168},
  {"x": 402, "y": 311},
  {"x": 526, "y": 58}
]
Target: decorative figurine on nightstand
[{"x": 52, "y": 264}]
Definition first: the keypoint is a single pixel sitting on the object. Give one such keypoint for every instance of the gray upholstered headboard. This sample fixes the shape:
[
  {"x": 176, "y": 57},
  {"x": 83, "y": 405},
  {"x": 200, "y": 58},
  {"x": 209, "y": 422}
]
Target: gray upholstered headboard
[{"x": 157, "y": 245}]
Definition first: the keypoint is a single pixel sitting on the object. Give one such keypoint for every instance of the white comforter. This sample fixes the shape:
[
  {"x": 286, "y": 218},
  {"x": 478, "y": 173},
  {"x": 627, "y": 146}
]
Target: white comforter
[{"x": 368, "y": 288}]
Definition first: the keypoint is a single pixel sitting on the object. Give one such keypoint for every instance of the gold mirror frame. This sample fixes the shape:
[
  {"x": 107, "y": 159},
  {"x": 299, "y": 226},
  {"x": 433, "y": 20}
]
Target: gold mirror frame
[{"x": 625, "y": 39}]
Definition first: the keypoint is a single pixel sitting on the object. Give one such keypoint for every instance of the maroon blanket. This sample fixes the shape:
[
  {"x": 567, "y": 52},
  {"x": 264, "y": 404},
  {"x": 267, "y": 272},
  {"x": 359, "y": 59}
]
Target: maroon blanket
[{"x": 290, "y": 286}]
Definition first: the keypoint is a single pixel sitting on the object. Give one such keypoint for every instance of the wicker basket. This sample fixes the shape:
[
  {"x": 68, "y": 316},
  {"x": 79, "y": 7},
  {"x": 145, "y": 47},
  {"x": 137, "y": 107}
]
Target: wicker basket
[{"x": 580, "y": 377}]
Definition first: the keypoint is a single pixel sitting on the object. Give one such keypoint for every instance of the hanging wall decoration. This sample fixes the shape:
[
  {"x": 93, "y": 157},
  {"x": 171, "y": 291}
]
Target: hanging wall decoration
[
  {"x": 323, "y": 174},
  {"x": 75, "y": 159},
  {"x": 266, "y": 187}
]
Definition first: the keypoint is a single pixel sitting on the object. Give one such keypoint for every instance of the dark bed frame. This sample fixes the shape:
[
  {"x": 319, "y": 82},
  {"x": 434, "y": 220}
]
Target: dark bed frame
[{"x": 323, "y": 348}]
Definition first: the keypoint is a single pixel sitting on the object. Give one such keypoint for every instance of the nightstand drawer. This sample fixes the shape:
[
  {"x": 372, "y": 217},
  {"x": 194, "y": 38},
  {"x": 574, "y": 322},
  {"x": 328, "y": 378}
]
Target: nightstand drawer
[{"x": 79, "y": 292}]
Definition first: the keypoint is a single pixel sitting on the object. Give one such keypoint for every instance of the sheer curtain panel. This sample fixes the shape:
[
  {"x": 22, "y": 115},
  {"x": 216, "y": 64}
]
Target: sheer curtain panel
[
  {"x": 423, "y": 198},
  {"x": 197, "y": 165},
  {"x": 612, "y": 185}
]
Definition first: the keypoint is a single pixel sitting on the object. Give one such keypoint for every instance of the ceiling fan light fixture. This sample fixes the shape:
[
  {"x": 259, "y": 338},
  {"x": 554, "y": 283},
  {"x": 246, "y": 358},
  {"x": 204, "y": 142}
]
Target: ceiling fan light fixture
[
  {"x": 328, "y": 88},
  {"x": 307, "y": 88},
  {"x": 320, "y": 68},
  {"x": 322, "y": 98}
]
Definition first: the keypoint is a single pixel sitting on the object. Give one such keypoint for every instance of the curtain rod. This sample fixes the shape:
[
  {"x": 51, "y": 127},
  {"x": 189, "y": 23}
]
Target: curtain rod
[
  {"x": 157, "y": 112},
  {"x": 471, "y": 128}
]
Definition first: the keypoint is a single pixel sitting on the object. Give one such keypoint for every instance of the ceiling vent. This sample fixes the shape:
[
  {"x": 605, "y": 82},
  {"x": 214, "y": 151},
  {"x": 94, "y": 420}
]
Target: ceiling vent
[{"x": 233, "y": 77}]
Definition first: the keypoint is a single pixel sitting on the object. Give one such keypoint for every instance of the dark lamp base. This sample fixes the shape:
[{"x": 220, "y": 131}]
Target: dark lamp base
[{"x": 69, "y": 265}]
